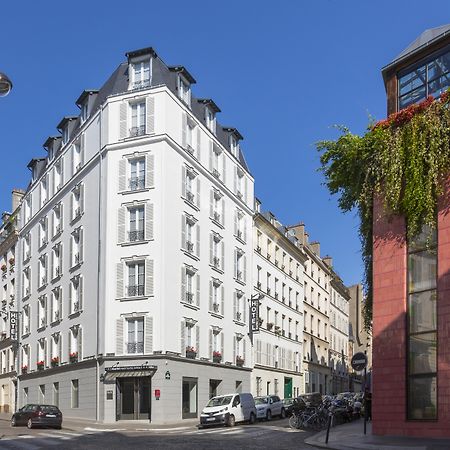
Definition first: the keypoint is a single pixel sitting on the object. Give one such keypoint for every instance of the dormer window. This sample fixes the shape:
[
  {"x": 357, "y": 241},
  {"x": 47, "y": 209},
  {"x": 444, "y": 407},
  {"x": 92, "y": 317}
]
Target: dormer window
[
  {"x": 84, "y": 112},
  {"x": 184, "y": 90},
  {"x": 65, "y": 134},
  {"x": 234, "y": 146},
  {"x": 140, "y": 74},
  {"x": 210, "y": 119}
]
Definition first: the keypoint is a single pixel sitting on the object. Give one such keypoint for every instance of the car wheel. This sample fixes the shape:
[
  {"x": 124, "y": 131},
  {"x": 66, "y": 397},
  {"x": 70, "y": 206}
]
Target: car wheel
[
  {"x": 30, "y": 424},
  {"x": 13, "y": 422},
  {"x": 252, "y": 419},
  {"x": 283, "y": 413},
  {"x": 231, "y": 421},
  {"x": 58, "y": 427},
  {"x": 269, "y": 415}
]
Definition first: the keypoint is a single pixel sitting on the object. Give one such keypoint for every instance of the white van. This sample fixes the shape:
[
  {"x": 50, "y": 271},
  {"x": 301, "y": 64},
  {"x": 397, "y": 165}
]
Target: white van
[{"x": 229, "y": 409}]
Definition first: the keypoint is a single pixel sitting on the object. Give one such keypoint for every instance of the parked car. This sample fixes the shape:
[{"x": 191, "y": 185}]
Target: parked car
[
  {"x": 229, "y": 409},
  {"x": 33, "y": 415},
  {"x": 269, "y": 406},
  {"x": 293, "y": 403}
]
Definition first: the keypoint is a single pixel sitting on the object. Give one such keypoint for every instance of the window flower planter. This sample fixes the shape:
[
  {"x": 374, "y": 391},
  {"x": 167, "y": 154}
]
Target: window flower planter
[
  {"x": 191, "y": 352},
  {"x": 239, "y": 361},
  {"x": 217, "y": 357},
  {"x": 40, "y": 365},
  {"x": 24, "y": 369},
  {"x": 55, "y": 362},
  {"x": 73, "y": 357}
]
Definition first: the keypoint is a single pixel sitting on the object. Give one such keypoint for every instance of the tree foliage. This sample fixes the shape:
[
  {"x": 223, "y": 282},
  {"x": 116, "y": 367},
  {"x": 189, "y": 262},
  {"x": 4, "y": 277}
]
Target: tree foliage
[{"x": 404, "y": 160}]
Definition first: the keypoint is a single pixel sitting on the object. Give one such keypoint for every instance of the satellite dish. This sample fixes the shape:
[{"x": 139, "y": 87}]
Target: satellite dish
[{"x": 5, "y": 85}]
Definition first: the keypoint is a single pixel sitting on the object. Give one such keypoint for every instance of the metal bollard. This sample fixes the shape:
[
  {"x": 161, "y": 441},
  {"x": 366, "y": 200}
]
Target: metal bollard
[{"x": 330, "y": 421}]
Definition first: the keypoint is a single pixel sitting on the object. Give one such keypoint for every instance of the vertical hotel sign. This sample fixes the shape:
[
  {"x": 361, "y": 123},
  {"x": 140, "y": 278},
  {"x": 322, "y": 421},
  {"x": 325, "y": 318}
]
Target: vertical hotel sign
[
  {"x": 254, "y": 316},
  {"x": 13, "y": 324}
]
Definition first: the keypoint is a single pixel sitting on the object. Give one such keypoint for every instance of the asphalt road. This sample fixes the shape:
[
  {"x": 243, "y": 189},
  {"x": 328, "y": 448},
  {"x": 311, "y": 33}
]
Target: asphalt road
[{"x": 263, "y": 435}]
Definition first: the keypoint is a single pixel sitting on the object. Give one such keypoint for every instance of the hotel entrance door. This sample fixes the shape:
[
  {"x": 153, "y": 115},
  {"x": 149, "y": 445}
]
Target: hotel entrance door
[{"x": 133, "y": 398}]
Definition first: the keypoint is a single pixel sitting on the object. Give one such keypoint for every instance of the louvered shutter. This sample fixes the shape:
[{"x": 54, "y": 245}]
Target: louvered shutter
[
  {"x": 52, "y": 298},
  {"x": 183, "y": 129},
  {"x": 236, "y": 216},
  {"x": 46, "y": 228},
  {"x": 211, "y": 149},
  {"x": 199, "y": 143},
  {"x": 45, "y": 353},
  {"x": 183, "y": 181},
  {"x": 223, "y": 212},
  {"x": 80, "y": 343},
  {"x": 198, "y": 192},
  {"x": 148, "y": 342},
  {"x": 211, "y": 287},
  {"x": 210, "y": 343},
  {"x": 80, "y": 292},
  {"x": 244, "y": 309},
  {"x": 235, "y": 180},
  {"x": 150, "y": 110},
  {"x": 72, "y": 209},
  {"x": 119, "y": 336},
  {"x": 197, "y": 297},
  {"x": 197, "y": 227},
  {"x": 244, "y": 271},
  {"x": 60, "y": 346},
  {"x": 197, "y": 339},
  {"x": 183, "y": 231},
  {"x": 150, "y": 171},
  {"x": 50, "y": 185},
  {"x": 119, "y": 280},
  {"x": 222, "y": 298},
  {"x": 123, "y": 132},
  {"x": 51, "y": 264},
  {"x": 245, "y": 189},
  {"x": 244, "y": 226},
  {"x": 182, "y": 339},
  {"x": 222, "y": 339},
  {"x": 149, "y": 221},
  {"x": 149, "y": 277},
  {"x": 222, "y": 255},
  {"x": 211, "y": 249},
  {"x": 69, "y": 343},
  {"x": 244, "y": 356},
  {"x": 224, "y": 169},
  {"x": 82, "y": 197},
  {"x": 211, "y": 203},
  {"x": 82, "y": 148},
  {"x": 61, "y": 215},
  {"x": 234, "y": 349},
  {"x": 81, "y": 243},
  {"x": 235, "y": 263},
  {"x": 183, "y": 284},
  {"x": 122, "y": 174},
  {"x": 121, "y": 214},
  {"x": 235, "y": 305}
]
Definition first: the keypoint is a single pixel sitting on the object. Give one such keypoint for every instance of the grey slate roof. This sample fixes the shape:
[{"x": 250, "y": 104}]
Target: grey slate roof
[
  {"x": 162, "y": 74},
  {"x": 424, "y": 39}
]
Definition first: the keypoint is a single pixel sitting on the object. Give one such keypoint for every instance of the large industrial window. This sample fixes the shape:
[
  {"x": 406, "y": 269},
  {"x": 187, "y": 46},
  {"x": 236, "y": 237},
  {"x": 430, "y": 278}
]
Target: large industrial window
[
  {"x": 422, "y": 326},
  {"x": 430, "y": 78}
]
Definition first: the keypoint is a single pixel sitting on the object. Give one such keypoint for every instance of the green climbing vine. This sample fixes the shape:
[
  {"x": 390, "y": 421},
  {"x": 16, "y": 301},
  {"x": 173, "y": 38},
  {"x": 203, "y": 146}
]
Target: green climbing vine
[{"x": 403, "y": 160}]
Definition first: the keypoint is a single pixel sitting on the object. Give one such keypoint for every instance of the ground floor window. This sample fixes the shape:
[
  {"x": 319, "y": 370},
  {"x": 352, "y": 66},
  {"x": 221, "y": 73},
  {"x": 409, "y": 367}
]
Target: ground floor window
[
  {"x": 239, "y": 387},
  {"x": 74, "y": 400},
  {"x": 56, "y": 394},
  {"x": 213, "y": 385},
  {"x": 25, "y": 396},
  {"x": 41, "y": 393},
  {"x": 189, "y": 398}
]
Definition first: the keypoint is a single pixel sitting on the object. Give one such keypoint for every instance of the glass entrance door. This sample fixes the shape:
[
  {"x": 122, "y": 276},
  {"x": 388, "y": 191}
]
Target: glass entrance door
[{"x": 133, "y": 398}]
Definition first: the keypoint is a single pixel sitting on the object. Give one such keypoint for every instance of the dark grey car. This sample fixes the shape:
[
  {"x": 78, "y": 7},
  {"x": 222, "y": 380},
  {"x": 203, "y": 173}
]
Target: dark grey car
[{"x": 33, "y": 415}]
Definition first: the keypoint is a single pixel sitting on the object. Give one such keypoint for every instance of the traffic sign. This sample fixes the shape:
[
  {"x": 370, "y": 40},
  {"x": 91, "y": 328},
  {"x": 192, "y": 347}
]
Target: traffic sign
[{"x": 359, "y": 361}]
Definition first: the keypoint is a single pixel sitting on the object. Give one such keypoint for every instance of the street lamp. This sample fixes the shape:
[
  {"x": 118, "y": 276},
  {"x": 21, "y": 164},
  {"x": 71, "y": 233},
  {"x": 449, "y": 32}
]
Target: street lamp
[{"x": 5, "y": 85}]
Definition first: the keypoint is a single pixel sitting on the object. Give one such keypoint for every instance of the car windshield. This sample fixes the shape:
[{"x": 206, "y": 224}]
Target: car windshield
[
  {"x": 219, "y": 401},
  {"x": 288, "y": 401},
  {"x": 261, "y": 401},
  {"x": 49, "y": 409}
]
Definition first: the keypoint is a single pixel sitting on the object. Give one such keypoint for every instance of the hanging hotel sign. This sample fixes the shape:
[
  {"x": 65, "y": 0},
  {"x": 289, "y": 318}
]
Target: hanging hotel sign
[
  {"x": 254, "y": 314},
  {"x": 13, "y": 324}
]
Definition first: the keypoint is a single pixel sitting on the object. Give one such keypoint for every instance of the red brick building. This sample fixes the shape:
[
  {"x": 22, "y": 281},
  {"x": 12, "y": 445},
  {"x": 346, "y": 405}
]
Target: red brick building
[{"x": 411, "y": 303}]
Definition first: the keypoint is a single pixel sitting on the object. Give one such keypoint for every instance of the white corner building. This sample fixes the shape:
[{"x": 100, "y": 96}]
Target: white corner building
[{"x": 135, "y": 254}]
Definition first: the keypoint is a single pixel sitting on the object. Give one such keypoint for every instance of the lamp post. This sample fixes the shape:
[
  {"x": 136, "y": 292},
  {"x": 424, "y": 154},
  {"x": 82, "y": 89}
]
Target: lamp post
[{"x": 5, "y": 85}]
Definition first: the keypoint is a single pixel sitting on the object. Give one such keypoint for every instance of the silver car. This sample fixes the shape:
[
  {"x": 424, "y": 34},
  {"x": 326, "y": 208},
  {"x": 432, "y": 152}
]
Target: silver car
[{"x": 269, "y": 406}]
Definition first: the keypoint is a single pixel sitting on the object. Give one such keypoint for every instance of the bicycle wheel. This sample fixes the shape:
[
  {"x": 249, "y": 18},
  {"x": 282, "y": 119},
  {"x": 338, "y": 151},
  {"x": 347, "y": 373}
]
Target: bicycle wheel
[{"x": 294, "y": 422}]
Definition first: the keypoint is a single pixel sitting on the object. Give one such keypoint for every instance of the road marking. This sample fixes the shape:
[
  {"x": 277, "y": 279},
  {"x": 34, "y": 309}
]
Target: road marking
[
  {"x": 102, "y": 430},
  {"x": 54, "y": 436},
  {"x": 68, "y": 433}
]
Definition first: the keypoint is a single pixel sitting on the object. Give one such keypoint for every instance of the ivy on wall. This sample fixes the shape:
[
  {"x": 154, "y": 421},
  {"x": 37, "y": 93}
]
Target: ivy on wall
[{"x": 403, "y": 160}]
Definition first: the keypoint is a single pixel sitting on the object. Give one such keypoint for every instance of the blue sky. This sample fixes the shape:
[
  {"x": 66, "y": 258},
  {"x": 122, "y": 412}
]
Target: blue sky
[{"x": 282, "y": 72}]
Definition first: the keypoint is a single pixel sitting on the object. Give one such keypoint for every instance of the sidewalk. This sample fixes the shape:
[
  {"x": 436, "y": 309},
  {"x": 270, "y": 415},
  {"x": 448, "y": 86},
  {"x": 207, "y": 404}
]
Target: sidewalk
[
  {"x": 69, "y": 422},
  {"x": 351, "y": 436}
]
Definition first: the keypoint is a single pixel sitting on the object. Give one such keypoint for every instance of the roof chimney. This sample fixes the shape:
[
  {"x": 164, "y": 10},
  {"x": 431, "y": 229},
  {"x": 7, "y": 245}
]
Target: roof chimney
[
  {"x": 328, "y": 260},
  {"x": 315, "y": 247}
]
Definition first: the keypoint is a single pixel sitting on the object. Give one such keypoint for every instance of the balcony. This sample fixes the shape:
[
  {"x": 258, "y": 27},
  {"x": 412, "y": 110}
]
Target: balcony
[
  {"x": 137, "y": 131},
  {"x": 239, "y": 234},
  {"x": 216, "y": 307},
  {"x": 136, "y": 183},
  {"x": 135, "y": 290},
  {"x": 142, "y": 84},
  {"x": 239, "y": 275},
  {"x": 135, "y": 347},
  {"x": 216, "y": 216},
  {"x": 189, "y": 298},
  {"x": 216, "y": 173},
  {"x": 136, "y": 235},
  {"x": 238, "y": 316},
  {"x": 190, "y": 246},
  {"x": 216, "y": 262}
]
